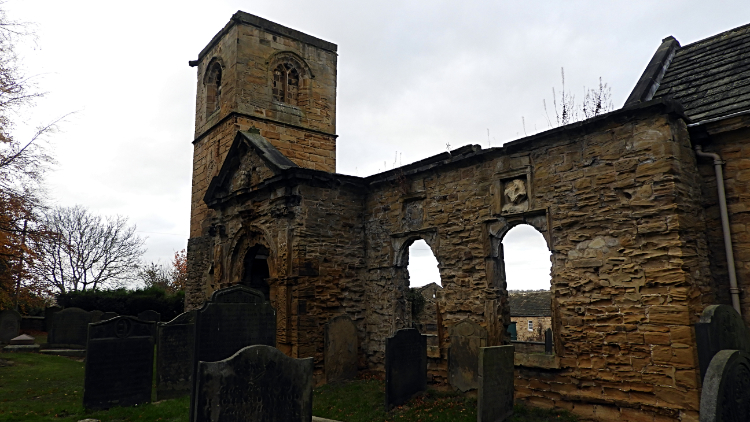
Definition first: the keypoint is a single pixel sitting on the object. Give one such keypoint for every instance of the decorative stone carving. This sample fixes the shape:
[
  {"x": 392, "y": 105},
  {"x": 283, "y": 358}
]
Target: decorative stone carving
[{"x": 515, "y": 197}]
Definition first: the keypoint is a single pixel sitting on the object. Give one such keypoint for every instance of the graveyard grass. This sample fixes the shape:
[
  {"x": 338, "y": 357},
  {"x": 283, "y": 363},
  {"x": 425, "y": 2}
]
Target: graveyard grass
[{"x": 50, "y": 388}]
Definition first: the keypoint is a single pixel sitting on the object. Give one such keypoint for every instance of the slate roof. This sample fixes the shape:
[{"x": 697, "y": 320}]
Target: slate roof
[
  {"x": 530, "y": 303},
  {"x": 710, "y": 78}
]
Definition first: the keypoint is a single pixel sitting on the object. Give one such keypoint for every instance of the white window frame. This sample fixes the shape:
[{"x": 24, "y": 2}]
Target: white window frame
[{"x": 531, "y": 325}]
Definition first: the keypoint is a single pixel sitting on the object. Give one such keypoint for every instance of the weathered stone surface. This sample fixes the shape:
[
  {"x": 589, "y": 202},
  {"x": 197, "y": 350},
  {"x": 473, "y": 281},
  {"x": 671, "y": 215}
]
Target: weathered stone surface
[
  {"x": 69, "y": 328},
  {"x": 150, "y": 316},
  {"x": 23, "y": 339},
  {"x": 119, "y": 363},
  {"x": 467, "y": 337},
  {"x": 496, "y": 379},
  {"x": 405, "y": 366},
  {"x": 720, "y": 328},
  {"x": 726, "y": 388},
  {"x": 21, "y": 348},
  {"x": 340, "y": 349},
  {"x": 258, "y": 383},
  {"x": 174, "y": 356},
  {"x": 10, "y": 325},
  {"x": 96, "y": 315}
]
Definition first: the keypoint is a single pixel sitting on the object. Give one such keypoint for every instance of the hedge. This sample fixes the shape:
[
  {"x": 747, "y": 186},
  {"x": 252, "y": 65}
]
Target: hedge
[{"x": 126, "y": 302}]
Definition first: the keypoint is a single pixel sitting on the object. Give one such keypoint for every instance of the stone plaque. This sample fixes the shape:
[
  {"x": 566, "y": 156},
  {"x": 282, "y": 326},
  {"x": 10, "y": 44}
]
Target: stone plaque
[
  {"x": 48, "y": 313},
  {"x": 405, "y": 366},
  {"x": 174, "y": 356},
  {"x": 726, "y": 388},
  {"x": 10, "y": 325},
  {"x": 69, "y": 328},
  {"x": 495, "y": 395},
  {"x": 340, "y": 357},
  {"x": 467, "y": 337},
  {"x": 119, "y": 363},
  {"x": 720, "y": 328},
  {"x": 150, "y": 316},
  {"x": 258, "y": 383}
]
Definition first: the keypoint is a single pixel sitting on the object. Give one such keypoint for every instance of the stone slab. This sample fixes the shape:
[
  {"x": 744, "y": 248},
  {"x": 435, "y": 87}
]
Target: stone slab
[
  {"x": 340, "y": 349},
  {"x": 174, "y": 356},
  {"x": 405, "y": 366},
  {"x": 23, "y": 339},
  {"x": 466, "y": 337},
  {"x": 69, "y": 328},
  {"x": 10, "y": 325},
  {"x": 49, "y": 312},
  {"x": 720, "y": 328},
  {"x": 258, "y": 383},
  {"x": 21, "y": 348},
  {"x": 496, "y": 377},
  {"x": 72, "y": 353},
  {"x": 119, "y": 363},
  {"x": 725, "y": 396}
]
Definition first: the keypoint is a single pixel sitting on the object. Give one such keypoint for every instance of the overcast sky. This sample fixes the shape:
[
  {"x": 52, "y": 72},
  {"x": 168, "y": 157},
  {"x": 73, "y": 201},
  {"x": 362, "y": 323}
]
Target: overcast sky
[{"x": 413, "y": 76}]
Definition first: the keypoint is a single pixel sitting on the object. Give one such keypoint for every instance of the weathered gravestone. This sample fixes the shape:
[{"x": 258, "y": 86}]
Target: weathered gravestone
[
  {"x": 720, "y": 328},
  {"x": 49, "y": 312},
  {"x": 405, "y": 366},
  {"x": 119, "y": 363},
  {"x": 174, "y": 356},
  {"x": 258, "y": 383},
  {"x": 495, "y": 395},
  {"x": 234, "y": 318},
  {"x": 340, "y": 348},
  {"x": 548, "y": 341},
  {"x": 726, "y": 388},
  {"x": 69, "y": 328},
  {"x": 467, "y": 337},
  {"x": 10, "y": 325},
  {"x": 150, "y": 316},
  {"x": 109, "y": 315}
]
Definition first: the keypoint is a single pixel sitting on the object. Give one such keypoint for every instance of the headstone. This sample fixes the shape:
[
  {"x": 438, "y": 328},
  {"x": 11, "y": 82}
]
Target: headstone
[
  {"x": 405, "y": 366},
  {"x": 548, "y": 341},
  {"x": 48, "y": 313},
  {"x": 69, "y": 328},
  {"x": 720, "y": 328},
  {"x": 10, "y": 325},
  {"x": 234, "y": 318},
  {"x": 150, "y": 316},
  {"x": 119, "y": 363},
  {"x": 258, "y": 383},
  {"x": 174, "y": 356},
  {"x": 23, "y": 339},
  {"x": 109, "y": 315},
  {"x": 467, "y": 337},
  {"x": 726, "y": 388},
  {"x": 96, "y": 315},
  {"x": 340, "y": 348},
  {"x": 495, "y": 395}
]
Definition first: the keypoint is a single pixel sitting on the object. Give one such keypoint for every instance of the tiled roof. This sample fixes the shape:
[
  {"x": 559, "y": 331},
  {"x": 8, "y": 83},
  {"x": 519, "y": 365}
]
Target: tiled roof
[{"x": 530, "y": 303}]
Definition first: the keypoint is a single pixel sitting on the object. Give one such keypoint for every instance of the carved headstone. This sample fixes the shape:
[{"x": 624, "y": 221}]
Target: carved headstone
[
  {"x": 69, "y": 328},
  {"x": 48, "y": 313},
  {"x": 109, "y": 315},
  {"x": 340, "y": 357},
  {"x": 150, "y": 316},
  {"x": 119, "y": 363},
  {"x": 10, "y": 325},
  {"x": 467, "y": 337},
  {"x": 234, "y": 318},
  {"x": 405, "y": 366},
  {"x": 174, "y": 356},
  {"x": 258, "y": 383},
  {"x": 720, "y": 328},
  {"x": 495, "y": 395},
  {"x": 726, "y": 388}
]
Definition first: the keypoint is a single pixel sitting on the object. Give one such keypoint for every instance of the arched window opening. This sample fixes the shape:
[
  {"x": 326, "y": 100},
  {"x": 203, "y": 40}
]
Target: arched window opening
[
  {"x": 213, "y": 89},
  {"x": 255, "y": 271},
  {"x": 286, "y": 83},
  {"x": 527, "y": 274},
  {"x": 423, "y": 266},
  {"x": 424, "y": 290}
]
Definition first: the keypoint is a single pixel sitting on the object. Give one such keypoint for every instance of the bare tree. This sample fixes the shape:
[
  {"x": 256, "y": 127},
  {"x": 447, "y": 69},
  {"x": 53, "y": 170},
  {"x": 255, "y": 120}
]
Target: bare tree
[
  {"x": 595, "y": 102},
  {"x": 85, "y": 251}
]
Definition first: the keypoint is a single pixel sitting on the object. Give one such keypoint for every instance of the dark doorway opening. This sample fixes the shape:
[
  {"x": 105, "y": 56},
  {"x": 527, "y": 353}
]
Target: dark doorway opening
[{"x": 255, "y": 270}]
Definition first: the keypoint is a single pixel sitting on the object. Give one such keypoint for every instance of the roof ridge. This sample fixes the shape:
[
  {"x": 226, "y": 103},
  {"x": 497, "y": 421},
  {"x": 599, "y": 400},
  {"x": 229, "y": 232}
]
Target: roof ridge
[{"x": 745, "y": 26}]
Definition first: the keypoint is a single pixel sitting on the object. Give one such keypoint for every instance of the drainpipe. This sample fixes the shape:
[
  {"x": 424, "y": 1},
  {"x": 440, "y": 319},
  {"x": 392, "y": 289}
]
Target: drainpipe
[{"x": 735, "y": 292}]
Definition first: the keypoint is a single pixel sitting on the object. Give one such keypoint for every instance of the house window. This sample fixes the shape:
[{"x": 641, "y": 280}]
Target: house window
[
  {"x": 531, "y": 325},
  {"x": 285, "y": 83},
  {"x": 213, "y": 89}
]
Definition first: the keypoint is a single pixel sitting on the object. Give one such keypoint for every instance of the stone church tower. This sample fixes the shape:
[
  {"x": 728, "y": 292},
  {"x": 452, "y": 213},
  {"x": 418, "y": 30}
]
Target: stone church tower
[{"x": 256, "y": 73}]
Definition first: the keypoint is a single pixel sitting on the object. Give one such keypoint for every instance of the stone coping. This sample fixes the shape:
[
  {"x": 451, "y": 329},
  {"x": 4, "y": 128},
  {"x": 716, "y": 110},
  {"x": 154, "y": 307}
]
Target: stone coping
[
  {"x": 317, "y": 419},
  {"x": 79, "y": 353},
  {"x": 537, "y": 360},
  {"x": 21, "y": 348}
]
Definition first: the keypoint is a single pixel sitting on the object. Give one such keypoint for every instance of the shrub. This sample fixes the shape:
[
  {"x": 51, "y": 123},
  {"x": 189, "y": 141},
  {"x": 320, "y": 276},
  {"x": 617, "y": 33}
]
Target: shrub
[{"x": 126, "y": 302}]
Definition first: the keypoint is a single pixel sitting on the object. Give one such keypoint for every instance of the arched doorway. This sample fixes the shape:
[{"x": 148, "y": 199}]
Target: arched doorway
[{"x": 255, "y": 271}]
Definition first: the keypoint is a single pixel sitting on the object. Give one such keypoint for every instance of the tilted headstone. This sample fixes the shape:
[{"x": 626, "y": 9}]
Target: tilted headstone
[
  {"x": 234, "y": 318},
  {"x": 69, "y": 328},
  {"x": 10, "y": 325},
  {"x": 149, "y": 315},
  {"x": 495, "y": 395},
  {"x": 109, "y": 315},
  {"x": 720, "y": 328},
  {"x": 258, "y": 383},
  {"x": 463, "y": 356},
  {"x": 340, "y": 349},
  {"x": 405, "y": 366},
  {"x": 119, "y": 363},
  {"x": 48, "y": 313},
  {"x": 726, "y": 388},
  {"x": 174, "y": 356}
]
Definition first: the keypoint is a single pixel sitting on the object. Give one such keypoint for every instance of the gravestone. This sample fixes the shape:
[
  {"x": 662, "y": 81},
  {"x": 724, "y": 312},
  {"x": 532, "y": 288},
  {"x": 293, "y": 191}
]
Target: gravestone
[
  {"x": 96, "y": 315},
  {"x": 726, "y": 388},
  {"x": 234, "y": 318},
  {"x": 258, "y": 383},
  {"x": 119, "y": 363},
  {"x": 109, "y": 315},
  {"x": 340, "y": 348},
  {"x": 467, "y": 337},
  {"x": 150, "y": 316},
  {"x": 10, "y": 325},
  {"x": 548, "y": 341},
  {"x": 174, "y": 356},
  {"x": 720, "y": 328},
  {"x": 48, "y": 313},
  {"x": 495, "y": 395},
  {"x": 69, "y": 328},
  {"x": 405, "y": 366}
]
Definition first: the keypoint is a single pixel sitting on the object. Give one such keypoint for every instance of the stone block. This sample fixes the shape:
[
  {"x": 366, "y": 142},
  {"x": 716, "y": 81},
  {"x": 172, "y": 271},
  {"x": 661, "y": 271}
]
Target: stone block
[{"x": 496, "y": 384}]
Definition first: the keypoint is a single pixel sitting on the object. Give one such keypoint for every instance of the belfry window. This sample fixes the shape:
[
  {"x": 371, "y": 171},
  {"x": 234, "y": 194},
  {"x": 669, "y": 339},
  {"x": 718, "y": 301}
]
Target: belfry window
[
  {"x": 213, "y": 89},
  {"x": 285, "y": 83}
]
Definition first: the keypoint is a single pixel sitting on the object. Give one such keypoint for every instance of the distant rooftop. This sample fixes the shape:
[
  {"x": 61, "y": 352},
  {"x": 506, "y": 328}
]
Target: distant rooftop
[{"x": 530, "y": 303}]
